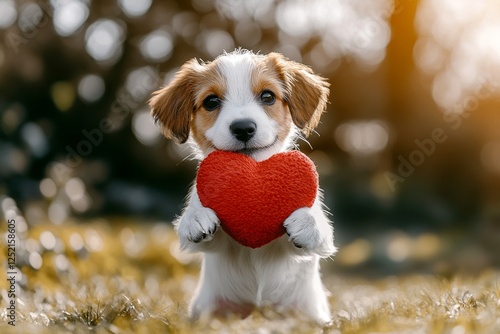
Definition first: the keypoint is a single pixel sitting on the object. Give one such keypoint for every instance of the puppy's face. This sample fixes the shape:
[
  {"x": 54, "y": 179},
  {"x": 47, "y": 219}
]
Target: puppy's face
[{"x": 241, "y": 102}]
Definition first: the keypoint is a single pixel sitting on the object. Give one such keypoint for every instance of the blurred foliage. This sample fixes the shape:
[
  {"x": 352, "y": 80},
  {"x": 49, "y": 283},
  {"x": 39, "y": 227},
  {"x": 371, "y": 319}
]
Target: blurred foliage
[{"x": 410, "y": 139}]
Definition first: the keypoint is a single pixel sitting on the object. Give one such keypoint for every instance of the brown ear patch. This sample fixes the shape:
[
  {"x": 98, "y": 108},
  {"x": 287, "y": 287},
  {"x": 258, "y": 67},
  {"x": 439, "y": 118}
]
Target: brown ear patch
[
  {"x": 172, "y": 106},
  {"x": 305, "y": 92}
]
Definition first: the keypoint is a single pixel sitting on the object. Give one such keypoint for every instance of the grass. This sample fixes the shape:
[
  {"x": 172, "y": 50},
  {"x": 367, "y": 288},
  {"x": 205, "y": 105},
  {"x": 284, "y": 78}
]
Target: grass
[{"x": 127, "y": 278}]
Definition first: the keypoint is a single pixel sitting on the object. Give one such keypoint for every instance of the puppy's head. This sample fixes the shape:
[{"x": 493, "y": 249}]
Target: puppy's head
[{"x": 241, "y": 102}]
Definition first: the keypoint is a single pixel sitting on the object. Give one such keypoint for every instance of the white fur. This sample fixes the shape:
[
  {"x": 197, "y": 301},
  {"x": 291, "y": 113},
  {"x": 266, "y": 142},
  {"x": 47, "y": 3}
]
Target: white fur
[
  {"x": 284, "y": 273},
  {"x": 240, "y": 103}
]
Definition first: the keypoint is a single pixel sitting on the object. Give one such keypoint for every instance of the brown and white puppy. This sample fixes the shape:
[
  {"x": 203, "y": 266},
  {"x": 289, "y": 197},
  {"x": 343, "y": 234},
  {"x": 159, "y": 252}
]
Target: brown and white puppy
[{"x": 257, "y": 105}]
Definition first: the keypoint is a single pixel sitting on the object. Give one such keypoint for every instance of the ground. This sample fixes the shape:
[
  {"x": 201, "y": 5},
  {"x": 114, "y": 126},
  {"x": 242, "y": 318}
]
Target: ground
[{"x": 104, "y": 277}]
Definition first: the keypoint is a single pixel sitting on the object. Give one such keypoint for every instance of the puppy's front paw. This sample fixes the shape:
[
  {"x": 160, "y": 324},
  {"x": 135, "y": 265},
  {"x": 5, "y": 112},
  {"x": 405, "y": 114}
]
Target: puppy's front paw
[
  {"x": 302, "y": 230},
  {"x": 197, "y": 225}
]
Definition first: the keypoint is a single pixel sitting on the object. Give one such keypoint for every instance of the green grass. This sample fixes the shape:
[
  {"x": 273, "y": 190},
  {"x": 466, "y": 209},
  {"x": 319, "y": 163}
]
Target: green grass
[{"x": 132, "y": 279}]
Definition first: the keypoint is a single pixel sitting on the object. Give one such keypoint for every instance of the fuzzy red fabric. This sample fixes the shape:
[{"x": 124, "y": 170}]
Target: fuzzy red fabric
[{"x": 253, "y": 199}]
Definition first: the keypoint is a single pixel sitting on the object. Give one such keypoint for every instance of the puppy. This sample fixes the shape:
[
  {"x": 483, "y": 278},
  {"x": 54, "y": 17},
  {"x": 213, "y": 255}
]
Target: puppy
[{"x": 256, "y": 105}]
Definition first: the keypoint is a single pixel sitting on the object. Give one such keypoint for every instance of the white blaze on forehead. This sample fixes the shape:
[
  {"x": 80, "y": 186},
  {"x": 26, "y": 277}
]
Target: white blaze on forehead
[{"x": 237, "y": 71}]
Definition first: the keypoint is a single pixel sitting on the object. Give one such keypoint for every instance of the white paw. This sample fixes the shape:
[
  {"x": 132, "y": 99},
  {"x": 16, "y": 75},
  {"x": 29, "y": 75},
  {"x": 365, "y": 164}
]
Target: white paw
[
  {"x": 302, "y": 229},
  {"x": 197, "y": 225}
]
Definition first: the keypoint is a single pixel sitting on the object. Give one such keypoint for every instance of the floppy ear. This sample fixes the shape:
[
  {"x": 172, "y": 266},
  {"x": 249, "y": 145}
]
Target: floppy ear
[
  {"x": 172, "y": 106},
  {"x": 305, "y": 92}
]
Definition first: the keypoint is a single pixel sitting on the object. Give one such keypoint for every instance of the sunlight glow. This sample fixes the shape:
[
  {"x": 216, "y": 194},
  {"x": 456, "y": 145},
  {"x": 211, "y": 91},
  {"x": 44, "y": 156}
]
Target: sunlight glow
[
  {"x": 344, "y": 28},
  {"x": 490, "y": 157},
  {"x": 460, "y": 49}
]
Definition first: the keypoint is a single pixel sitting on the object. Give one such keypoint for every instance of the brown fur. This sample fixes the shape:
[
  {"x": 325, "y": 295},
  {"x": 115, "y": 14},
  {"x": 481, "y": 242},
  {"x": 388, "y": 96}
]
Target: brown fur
[
  {"x": 178, "y": 106},
  {"x": 174, "y": 106},
  {"x": 306, "y": 92}
]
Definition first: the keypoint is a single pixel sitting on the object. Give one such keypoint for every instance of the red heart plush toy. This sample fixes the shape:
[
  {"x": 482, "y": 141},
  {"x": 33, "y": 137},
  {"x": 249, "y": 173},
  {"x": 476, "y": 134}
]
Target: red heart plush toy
[{"x": 253, "y": 199}]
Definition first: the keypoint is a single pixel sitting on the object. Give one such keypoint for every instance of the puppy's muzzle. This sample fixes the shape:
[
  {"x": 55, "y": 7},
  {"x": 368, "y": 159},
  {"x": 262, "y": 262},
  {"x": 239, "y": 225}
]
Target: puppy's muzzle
[{"x": 243, "y": 129}]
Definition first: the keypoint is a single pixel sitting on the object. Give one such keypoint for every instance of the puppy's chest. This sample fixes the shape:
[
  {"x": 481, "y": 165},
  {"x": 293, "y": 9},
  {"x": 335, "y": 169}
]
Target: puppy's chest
[{"x": 262, "y": 273}]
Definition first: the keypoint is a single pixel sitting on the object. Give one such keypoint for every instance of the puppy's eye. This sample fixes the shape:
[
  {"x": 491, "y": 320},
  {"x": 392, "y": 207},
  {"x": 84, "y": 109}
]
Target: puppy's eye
[
  {"x": 267, "y": 97},
  {"x": 211, "y": 102}
]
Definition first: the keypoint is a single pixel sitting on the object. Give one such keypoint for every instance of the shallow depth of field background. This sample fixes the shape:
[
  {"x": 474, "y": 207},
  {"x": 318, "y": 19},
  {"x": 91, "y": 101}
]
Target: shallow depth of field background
[{"x": 408, "y": 152}]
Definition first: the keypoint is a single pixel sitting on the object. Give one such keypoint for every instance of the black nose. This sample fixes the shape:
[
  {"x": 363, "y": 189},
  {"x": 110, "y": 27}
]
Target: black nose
[{"x": 243, "y": 129}]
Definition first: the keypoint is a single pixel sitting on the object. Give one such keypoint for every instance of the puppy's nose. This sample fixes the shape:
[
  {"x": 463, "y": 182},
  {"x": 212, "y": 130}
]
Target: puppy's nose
[{"x": 243, "y": 129}]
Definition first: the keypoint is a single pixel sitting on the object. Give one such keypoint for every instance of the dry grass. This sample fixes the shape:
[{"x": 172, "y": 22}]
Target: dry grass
[{"x": 132, "y": 279}]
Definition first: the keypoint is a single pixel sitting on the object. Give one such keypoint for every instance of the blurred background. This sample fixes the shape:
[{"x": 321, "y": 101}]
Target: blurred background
[{"x": 408, "y": 152}]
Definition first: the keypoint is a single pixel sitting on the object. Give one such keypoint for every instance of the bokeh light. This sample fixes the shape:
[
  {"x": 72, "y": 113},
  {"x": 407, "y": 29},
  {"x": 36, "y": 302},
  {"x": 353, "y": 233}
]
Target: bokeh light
[
  {"x": 74, "y": 188},
  {"x": 63, "y": 95},
  {"x": 140, "y": 82},
  {"x": 61, "y": 262},
  {"x": 362, "y": 137},
  {"x": 76, "y": 242},
  {"x": 157, "y": 46},
  {"x": 11, "y": 118},
  {"x": 12, "y": 159},
  {"x": 354, "y": 29},
  {"x": 104, "y": 40},
  {"x": 9, "y": 13},
  {"x": 134, "y": 8},
  {"x": 186, "y": 25},
  {"x": 30, "y": 16},
  {"x": 91, "y": 88},
  {"x": 57, "y": 212},
  {"x": 144, "y": 128},
  {"x": 35, "y": 260},
  {"x": 399, "y": 247},
  {"x": 48, "y": 188},
  {"x": 35, "y": 139},
  {"x": 260, "y": 11},
  {"x": 355, "y": 253},
  {"x": 346, "y": 28},
  {"x": 461, "y": 59},
  {"x": 47, "y": 240},
  {"x": 426, "y": 246},
  {"x": 215, "y": 42},
  {"x": 248, "y": 33},
  {"x": 82, "y": 203},
  {"x": 93, "y": 240},
  {"x": 7, "y": 203},
  {"x": 69, "y": 16}
]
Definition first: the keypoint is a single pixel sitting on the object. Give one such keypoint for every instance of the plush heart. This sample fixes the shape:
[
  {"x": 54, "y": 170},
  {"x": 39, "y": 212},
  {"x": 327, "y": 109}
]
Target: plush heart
[{"x": 253, "y": 199}]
